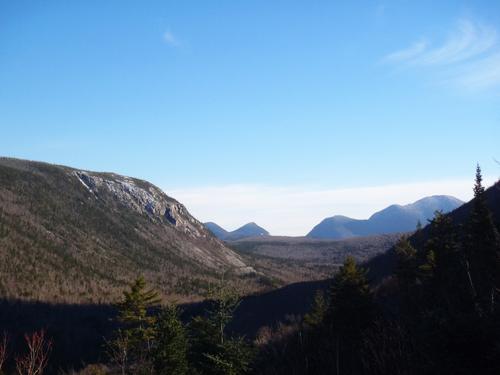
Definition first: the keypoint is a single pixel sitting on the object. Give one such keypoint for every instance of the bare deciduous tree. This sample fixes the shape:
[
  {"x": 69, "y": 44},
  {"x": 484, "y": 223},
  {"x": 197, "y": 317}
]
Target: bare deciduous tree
[
  {"x": 36, "y": 359},
  {"x": 3, "y": 350},
  {"x": 118, "y": 351}
]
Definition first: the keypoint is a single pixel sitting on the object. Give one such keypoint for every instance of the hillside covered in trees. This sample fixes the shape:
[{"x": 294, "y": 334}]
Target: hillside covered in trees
[{"x": 68, "y": 235}]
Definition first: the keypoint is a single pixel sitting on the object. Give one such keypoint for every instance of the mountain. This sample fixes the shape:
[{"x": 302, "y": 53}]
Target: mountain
[
  {"x": 393, "y": 219},
  {"x": 216, "y": 230},
  {"x": 247, "y": 230},
  {"x": 71, "y": 235},
  {"x": 383, "y": 264}
]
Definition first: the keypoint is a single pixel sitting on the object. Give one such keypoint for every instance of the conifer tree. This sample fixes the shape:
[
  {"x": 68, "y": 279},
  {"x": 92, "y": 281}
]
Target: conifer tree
[
  {"x": 136, "y": 319},
  {"x": 406, "y": 272},
  {"x": 316, "y": 316},
  {"x": 483, "y": 249},
  {"x": 418, "y": 226},
  {"x": 351, "y": 302},
  {"x": 170, "y": 343},
  {"x": 444, "y": 270},
  {"x": 351, "y": 311},
  {"x": 213, "y": 351}
]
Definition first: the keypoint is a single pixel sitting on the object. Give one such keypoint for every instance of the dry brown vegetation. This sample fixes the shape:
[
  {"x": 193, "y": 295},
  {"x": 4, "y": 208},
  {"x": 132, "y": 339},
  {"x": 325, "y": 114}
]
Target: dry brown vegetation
[
  {"x": 61, "y": 243},
  {"x": 36, "y": 358},
  {"x": 295, "y": 259}
]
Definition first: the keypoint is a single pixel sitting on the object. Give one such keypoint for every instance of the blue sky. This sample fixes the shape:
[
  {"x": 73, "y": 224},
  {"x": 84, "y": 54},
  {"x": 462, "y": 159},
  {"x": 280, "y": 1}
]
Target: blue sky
[{"x": 230, "y": 102}]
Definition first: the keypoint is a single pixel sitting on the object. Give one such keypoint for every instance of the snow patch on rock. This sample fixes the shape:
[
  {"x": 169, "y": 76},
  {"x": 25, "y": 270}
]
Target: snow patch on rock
[{"x": 146, "y": 200}]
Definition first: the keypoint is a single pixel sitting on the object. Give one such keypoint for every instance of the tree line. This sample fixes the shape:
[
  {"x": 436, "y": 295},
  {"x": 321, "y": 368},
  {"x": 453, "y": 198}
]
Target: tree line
[{"x": 156, "y": 341}]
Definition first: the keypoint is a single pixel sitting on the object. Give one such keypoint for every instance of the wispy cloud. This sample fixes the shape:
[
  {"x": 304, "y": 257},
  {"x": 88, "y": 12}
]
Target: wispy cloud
[
  {"x": 407, "y": 54},
  {"x": 481, "y": 74},
  {"x": 295, "y": 210},
  {"x": 171, "y": 39},
  {"x": 469, "y": 55}
]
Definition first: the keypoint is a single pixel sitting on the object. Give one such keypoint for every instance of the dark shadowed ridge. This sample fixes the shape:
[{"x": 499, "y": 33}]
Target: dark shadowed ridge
[
  {"x": 393, "y": 219},
  {"x": 78, "y": 331}
]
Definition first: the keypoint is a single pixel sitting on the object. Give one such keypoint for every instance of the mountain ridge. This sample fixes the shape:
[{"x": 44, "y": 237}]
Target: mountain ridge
[
  {"x": 382, "y": 265},
  {"x": 247, "y": 230},
  {"x": 73, "y": 235},
  {"x": 392, "y": 219}
]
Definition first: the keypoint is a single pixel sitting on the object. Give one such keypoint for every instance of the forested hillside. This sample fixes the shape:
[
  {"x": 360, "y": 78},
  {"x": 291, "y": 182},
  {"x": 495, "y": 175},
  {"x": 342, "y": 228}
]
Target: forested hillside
[{"x": 76, "y": 236}]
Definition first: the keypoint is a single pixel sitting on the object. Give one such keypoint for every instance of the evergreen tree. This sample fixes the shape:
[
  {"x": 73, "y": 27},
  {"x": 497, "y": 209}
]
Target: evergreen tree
[
  {"x": 406, "y": 272},
  {"x": 351, "y": 301},
  {"x": 316, "y": 316},
  {"x": 483, "y": 250},
  {"x": 225, "y": 301},
  {"x": 213, "y": 351},
  {"x": 445, "y": 271},
  {"x": 350, "y": 312},
  {"x": 170, "y": 343},
  {"x": 136, "y": 320},
  {"x": 419, "y": 226}
]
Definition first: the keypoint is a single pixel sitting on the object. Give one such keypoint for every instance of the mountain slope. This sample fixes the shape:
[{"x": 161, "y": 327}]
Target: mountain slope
[
  {"x": 216, "y": 230},
  {"x": 246, "y": 231},
  {"x": 72, "y": 235},
  {"x": 393, "y": 219}
]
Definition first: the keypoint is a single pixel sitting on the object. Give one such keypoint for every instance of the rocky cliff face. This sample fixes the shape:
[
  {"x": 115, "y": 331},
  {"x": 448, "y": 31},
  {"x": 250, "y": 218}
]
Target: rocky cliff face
[
  {"x": 87, "y": 234},
  {"x": 145, "y": 200}
]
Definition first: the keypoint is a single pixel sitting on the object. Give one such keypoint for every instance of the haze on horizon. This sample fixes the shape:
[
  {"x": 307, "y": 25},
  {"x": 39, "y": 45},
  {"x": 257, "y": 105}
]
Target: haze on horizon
[{"x": 278, "y": 113}]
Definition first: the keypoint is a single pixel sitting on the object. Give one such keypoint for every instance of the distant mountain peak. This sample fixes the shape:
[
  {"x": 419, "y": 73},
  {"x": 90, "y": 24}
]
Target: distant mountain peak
[
  {"x": 251, "y": 229},
  {"x": 392, "y": 219},
  {"x": 216, "y": 230},
  {"x": 252, "y": 225}
]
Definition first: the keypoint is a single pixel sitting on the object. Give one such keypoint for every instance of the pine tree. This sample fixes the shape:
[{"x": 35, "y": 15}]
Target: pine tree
[
  {"x": 170, "y": 343},
  {"x": 213, "y": 351},
  {"x": 316, "y": 316},
  {"x": 444, "y": 272},
  {"x": 350, "y": 312},
  {"x": 483, "y": 250},
  {"x": 225, "y": 301},
  {"x": 351, "y": 301},
  {"x": 418, "y": 226},
  {"x": 406, "y": 272},
  {"x": 136, "y": 320}
]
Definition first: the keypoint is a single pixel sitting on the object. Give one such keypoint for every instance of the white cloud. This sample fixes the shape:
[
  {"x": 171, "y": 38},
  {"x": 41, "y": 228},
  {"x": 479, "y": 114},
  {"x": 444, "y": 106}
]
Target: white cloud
[
  {"x": 408, "y": 53},
  {"x": 469, "y": 40},
  {"x": 481, "y": 74},
  {"x": 295, "y": 210},
  {"x": 171, "y": 39},
  {"x": 468, "y": 57}
]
